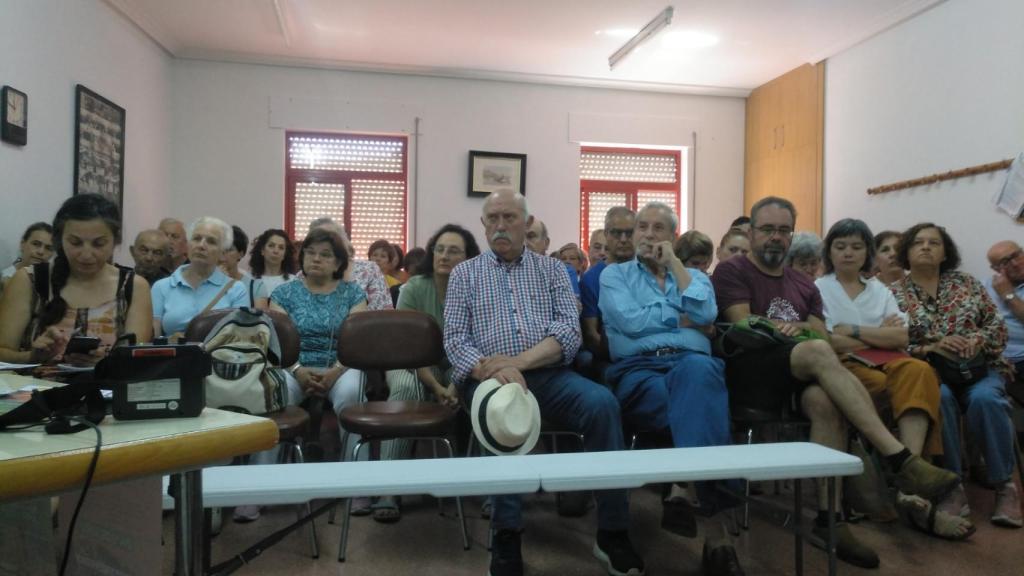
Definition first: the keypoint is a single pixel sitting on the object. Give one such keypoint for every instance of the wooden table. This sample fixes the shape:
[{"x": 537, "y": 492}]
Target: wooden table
[{"x": 33, "y": 463}]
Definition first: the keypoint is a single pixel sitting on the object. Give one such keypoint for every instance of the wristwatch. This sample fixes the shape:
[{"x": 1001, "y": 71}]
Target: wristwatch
[{"x": 1009, "y": 297}]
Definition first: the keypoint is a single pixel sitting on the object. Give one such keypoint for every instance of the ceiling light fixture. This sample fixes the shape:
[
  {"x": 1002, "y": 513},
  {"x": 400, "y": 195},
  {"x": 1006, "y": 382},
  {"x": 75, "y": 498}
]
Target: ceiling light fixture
[{"x": 653, "y": 27}]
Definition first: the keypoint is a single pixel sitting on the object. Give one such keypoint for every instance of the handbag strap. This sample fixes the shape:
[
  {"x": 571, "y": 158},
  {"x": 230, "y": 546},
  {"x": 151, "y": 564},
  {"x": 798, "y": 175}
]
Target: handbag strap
[{"x": 212, "y": 303}]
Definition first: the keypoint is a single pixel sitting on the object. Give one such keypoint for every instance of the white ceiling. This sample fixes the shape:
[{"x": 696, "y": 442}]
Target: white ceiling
[{"x": 549, "y": 41}]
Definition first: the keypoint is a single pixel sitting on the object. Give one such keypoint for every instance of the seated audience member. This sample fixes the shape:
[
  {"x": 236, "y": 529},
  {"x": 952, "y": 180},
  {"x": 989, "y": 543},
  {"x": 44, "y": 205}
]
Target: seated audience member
[
  {"x": 695, "y": 250},
  {"x": 400, "y": 271},
  {"x": 735, "y": 242},
  {"x": 364, "y": 273},
  {"x": 175, "y": 231},
  {"x": 537, "y": 241},
  {"x": 663, "y": 372},
  {"x": 87, "y": 295},
  {"x": 234, "y": 254},
  {"x": 618, "y": 222},
  {"x": 414, "y": 261},
  {"x": 950, "y": 315},
  {"x": 383, "y": 253},
  {"x": 150, "y": 253},
  {"x": 741, "y": 223},
  {"x": 572, "y": 255},
  {"x": 1006, "y": 288},
  {"x": 198, "y": 286},
  {"x": 807, "y": 371},
  {"x": 425, "y": 292},
  {"x": 597, "y": 249},
  {"x": 488, "y": 294},
  {"x": 863, "y": 317},
  {"x": 272, "y": 263},
  {"x": 805, "y": 254},
  {"x": 36, "y": 246},
  {"x": 887, "y": 268}
]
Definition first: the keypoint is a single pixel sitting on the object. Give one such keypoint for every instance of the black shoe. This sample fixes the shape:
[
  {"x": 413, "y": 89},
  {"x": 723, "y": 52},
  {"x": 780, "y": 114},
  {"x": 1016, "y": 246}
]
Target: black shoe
[
  {"x": 506, "y": 554},
  {"x": 721, "y": 561},
  {"x": 615, "y": 551},
  {"x": 572, "y": 504}
]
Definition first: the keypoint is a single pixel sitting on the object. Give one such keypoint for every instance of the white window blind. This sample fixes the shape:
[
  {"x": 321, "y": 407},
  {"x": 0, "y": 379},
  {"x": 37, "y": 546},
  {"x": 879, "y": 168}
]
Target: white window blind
[
  {"x": 356, "y": 180},
  {"x": 378, "y": 211},
  {"x": 598, "y": 204},
  {"x": 627, "y": 167},
  {"x": 314, "y": 200},
  {"x": 643, "y": 197},
  {"x": 346, "y": 153}
]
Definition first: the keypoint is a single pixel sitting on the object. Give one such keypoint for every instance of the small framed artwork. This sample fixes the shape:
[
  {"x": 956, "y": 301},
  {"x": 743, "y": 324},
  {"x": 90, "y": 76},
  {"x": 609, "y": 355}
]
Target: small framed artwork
[
  {"x": 490, "y": 171},
  {"x": 14, "y": 116},
  {"x": 99, "y": 146}
]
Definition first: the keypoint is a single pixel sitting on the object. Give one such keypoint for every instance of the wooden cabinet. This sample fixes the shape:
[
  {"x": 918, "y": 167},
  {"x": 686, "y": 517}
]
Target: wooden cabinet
[{"x": 784, "y": 143}]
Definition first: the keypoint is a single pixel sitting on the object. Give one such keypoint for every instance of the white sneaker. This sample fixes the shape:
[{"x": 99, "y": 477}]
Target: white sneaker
[{"x": 245, "y": 514}]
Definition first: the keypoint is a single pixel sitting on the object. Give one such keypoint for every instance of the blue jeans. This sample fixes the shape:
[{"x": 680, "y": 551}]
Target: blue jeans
[
  {"x": 987, "y": 416},
  {"x": 684, "y": 393},
  {"x": 570, "y": 400}
]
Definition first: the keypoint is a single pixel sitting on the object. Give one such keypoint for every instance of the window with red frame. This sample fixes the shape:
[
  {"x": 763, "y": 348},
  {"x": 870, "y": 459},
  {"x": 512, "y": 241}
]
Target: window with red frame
[
  {"x": 358, "y": 180},
  {"x": 629, "y": 177}
]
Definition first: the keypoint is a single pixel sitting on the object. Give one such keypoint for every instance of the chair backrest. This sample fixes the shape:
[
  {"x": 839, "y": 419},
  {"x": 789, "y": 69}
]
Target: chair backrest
[
  {"x": 389, "y": 340},
  {"x": 287, "y": 335}
]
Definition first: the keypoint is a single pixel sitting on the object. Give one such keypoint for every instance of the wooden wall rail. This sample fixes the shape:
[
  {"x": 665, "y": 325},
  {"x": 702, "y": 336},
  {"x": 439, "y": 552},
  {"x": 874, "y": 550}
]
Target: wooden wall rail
[{"x": 951, "y": 175}]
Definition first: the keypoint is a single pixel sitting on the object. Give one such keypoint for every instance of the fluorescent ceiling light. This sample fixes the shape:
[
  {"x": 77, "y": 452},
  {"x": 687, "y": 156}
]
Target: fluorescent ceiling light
[{"x": 653, "y": 27}]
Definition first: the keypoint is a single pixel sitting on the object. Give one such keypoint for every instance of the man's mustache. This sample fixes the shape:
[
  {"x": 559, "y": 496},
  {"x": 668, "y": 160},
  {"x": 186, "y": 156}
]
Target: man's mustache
[{"x": 500, "y": 236}]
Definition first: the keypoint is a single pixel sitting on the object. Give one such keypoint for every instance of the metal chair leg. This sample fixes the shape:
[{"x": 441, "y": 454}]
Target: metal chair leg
[
  {"x": 343, "y": 543},
  {"x": 458, "y": 500},
  {"x": 746, "y": 490},
  {"x": 299, "y": 458}
]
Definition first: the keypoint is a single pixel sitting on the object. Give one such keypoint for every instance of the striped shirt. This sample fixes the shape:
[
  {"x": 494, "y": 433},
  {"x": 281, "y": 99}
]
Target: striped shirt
[{"x": 496, "y": 307}]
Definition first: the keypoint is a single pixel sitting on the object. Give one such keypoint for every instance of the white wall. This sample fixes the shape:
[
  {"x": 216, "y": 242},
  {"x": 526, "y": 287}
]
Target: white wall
[
  {"x": 229, "y": 121},
  {"x": 939, "y": 92},
  {"x": 46, "y": 48}
]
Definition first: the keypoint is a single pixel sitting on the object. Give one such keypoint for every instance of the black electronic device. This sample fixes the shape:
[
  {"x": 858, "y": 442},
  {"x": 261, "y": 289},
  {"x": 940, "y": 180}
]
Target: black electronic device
[
  {"x": 153, "y": 381},
  {"x": 82, "y": 344}
]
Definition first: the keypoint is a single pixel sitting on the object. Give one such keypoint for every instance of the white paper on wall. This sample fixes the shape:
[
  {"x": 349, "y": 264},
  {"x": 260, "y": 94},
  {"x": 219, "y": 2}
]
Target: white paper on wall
[{"x": 1010, "y": 198}]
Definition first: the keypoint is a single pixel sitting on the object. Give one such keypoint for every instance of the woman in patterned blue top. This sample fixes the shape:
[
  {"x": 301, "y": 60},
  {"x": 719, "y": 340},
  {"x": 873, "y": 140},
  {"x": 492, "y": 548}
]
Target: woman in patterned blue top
[{"x": 318, "y": 304}]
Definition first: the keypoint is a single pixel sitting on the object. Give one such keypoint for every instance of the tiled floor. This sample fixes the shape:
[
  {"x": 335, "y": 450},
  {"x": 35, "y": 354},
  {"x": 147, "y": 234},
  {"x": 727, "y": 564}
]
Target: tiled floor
[{"x": 424, "y": 543}]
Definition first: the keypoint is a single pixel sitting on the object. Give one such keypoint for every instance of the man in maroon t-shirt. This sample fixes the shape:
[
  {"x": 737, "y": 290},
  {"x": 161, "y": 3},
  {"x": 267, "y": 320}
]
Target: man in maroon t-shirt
[{"x": 808, "y": 371}]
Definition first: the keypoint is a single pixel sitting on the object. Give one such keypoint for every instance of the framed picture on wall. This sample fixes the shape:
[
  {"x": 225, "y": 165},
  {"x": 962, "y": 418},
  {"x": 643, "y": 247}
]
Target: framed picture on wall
[
  {"x": 490, "y": 171},
  {"x": 99, "y": 146}
]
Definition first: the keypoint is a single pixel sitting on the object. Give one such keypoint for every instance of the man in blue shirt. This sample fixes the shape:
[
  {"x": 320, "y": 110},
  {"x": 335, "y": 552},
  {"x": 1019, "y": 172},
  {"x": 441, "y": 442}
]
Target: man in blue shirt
[
  {"x": 1006, "y": 287},
  {"x": 618, "y": 232},
  {"x": 655, "y": 312}
]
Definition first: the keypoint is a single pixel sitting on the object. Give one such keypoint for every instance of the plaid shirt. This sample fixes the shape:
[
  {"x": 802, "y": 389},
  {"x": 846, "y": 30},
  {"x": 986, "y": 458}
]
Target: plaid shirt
[{"x": 496, "y": 307}]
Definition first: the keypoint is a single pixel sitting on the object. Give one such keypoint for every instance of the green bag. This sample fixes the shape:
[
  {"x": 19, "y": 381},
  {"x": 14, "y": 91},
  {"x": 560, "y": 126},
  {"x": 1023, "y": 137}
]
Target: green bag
[{"x": 754, "y": 333}]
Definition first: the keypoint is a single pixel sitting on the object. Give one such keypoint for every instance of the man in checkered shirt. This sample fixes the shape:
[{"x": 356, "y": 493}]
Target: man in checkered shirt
[{"x": 511, "y": 315}]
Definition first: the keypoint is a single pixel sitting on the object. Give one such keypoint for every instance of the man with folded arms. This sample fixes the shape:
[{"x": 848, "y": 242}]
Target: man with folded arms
[
  {"x": 663, "y": 373},
  {"x": 510, "y": 315},
  {"x": 807, "y": 373}
]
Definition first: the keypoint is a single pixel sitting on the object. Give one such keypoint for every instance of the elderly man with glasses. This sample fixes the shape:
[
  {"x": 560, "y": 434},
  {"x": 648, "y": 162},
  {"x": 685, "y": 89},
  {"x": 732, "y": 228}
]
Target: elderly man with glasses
[
  {"x": 807, "y": 373},
  {"x": 1006, "y": 287},
  {"x": 618, "y": 233}
]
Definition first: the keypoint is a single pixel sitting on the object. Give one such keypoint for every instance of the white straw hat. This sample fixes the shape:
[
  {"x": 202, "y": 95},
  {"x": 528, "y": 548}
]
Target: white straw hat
[{"x": 506, "y": 418}]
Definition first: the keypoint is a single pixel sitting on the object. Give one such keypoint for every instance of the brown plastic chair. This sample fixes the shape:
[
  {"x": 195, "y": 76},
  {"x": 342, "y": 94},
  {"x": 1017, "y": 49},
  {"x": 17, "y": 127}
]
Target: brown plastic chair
[
  {"x": 292, "y": 422},
  {"x": 393, "y": 340}
]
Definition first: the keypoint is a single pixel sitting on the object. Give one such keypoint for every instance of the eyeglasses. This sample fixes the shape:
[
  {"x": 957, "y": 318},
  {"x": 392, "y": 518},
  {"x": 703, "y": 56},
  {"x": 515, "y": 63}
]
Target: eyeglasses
[
  {"x": 1004, "y": 262},
  {"x": 619, "y": 233},
  {"x": 769, "y": 231},
  {"x": 452, "y": 251},
  {"x": 323, "y": 254}
]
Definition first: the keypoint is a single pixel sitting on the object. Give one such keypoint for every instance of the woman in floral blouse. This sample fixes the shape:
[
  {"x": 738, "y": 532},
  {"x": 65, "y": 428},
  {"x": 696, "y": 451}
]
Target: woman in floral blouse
[{"x": 949, "y": 313}]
